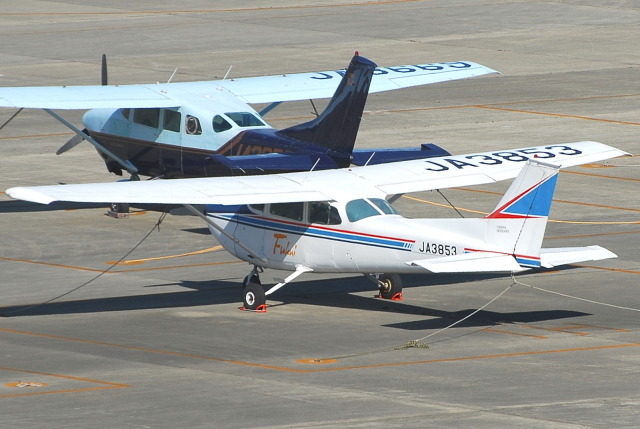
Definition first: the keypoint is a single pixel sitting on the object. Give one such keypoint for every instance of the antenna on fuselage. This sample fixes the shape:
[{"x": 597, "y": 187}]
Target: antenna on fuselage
[
  {"x": 314, "y": 166},
  {"x": 225, "y": 76},
  {"x": 103, "y": 73},
  {"x": 172, "y": 75}
]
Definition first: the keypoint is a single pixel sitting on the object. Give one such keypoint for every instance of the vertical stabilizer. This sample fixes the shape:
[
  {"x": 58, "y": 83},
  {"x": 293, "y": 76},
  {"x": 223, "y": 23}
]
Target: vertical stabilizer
[
  {"x": 519, "y": 221},
  {"x": 337, "y": 126}
]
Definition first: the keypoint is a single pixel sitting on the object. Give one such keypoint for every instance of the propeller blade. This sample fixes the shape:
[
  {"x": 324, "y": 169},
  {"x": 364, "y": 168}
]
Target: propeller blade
[
  {"x": 104, "y": 70},
  {"x": 73, "y": 142}
]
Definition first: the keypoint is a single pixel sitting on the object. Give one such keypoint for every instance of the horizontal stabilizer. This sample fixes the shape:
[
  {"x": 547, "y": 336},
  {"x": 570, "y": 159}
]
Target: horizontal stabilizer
[
  {"x": 470, "y": 263},
  {"x": 550, "y": 258}
]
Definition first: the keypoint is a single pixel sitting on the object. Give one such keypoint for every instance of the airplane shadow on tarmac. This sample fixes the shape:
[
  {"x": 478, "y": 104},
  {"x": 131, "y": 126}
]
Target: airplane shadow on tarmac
[{"x": 334, "y": 293}]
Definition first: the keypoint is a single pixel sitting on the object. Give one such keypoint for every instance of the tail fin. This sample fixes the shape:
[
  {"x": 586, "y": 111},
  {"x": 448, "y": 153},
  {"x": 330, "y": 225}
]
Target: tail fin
[
  {"x": 519, "y": 221},
  {"x": 337, "y": 126}
]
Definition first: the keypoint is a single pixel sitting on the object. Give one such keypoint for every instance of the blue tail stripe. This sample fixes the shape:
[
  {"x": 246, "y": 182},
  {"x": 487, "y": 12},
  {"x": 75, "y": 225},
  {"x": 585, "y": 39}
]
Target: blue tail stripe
[{"x": 536, "y": 202}]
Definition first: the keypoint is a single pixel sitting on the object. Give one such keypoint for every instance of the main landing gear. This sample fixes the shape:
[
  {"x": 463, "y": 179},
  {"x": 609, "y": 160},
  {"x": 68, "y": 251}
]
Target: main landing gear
[
  {"x": 254, "y": 296},
  {"x": 389, "y": 285}
]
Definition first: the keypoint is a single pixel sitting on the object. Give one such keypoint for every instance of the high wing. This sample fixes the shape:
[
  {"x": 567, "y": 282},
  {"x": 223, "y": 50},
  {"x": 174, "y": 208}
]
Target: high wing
[
  {"x": 265, "y": 89},
  {"x": 371, "y": 181}
]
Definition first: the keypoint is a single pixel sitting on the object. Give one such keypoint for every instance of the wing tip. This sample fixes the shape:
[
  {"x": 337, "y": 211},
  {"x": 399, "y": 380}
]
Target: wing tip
[{"x": 27, "y": 194}]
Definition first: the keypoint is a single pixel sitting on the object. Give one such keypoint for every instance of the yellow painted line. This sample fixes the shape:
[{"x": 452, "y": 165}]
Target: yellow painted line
[
  {"x": 48, "y": 264},
  {"x": 560, "y": 201},
  {"x": 513, "y": 333},
  {"x": 172, "y": 267},
  {"x": 198, "y": 11},
  {"x": 105, "y": 384},
  {"x": 559, "y": 115},
  {"x": 35, "y": 135},
  {"x": 616, "y": 270},
  {"x": 582, "y": 325},
  {"x": 602, "y": 176},
  {"x": 27, "y": 261},
  {"x": 633, "y": 222},
  {"x": 344, "y": 368},
  {"x": 592, "y": 235},
  {"x": 443, "y": 205},
  {"x": 142, "y": 261},
  {"x": 566, "y": 330}
]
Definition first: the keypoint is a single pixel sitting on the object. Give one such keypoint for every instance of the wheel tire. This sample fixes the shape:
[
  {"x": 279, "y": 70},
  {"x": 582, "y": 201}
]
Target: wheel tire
[
  {"x": 253, "y": 296},
  {"x": 251, "y": 278},
  {"x": 391, "y": 285}
]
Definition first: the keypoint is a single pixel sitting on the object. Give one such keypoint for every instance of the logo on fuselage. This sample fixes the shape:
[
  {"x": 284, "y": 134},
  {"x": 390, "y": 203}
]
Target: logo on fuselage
[{"x": 280, "y": 248}]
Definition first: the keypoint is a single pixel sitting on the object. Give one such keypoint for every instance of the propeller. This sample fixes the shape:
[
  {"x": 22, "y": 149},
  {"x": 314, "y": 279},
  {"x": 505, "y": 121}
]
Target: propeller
[{"x": 77, "y": 139}]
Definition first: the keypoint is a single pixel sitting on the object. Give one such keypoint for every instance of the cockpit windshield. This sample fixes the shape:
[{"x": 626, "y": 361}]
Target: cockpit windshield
[
  {"x": 367, "y": 207},
  {"x": 245, "y": 119}
]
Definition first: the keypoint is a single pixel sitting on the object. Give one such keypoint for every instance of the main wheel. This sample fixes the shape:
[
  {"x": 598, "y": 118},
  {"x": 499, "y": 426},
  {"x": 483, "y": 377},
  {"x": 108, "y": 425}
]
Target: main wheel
[
  {"x": 253, "y": 296},
  {"x": 251, "y": 278},
  {"x": 391, "y": 285}
]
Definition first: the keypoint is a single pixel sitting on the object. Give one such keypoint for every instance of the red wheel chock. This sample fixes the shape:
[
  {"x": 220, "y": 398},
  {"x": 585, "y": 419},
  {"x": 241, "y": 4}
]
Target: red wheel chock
[
  {"x": 396, "y": 297},
  {"x": 262, "y": 308}
]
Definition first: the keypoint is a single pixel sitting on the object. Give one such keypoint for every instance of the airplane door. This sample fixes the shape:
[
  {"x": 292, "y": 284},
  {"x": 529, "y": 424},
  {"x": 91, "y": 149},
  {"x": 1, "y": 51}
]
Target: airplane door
[{"x": 247, "y": 233}]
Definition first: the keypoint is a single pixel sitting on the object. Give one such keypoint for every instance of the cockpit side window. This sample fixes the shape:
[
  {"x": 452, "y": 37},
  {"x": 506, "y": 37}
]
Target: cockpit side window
[
  {"x": 256, "y": 208},
  {"x": 245, "y": 119},
  {"x": 294, "y": 211},
  {"x": 149, "y": 117},
  {"x": 192, "y": 125},
  {"x": 323, "y": 214},
  {"x": 384, "y": 206},
  {"x": 360, "y": 209},
  {"x": 220, "y": 124},
  {"x": 171, "y": 121},
  {"x": 125, "y": 112}
]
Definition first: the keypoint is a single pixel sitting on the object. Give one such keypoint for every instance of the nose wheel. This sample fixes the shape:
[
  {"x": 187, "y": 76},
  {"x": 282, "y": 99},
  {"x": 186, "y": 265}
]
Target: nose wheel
[
  {"x": 254, "y": 298},
  {"x": 253, "y": 294}
]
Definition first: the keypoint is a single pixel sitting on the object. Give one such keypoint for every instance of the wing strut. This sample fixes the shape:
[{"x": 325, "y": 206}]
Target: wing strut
[
  {"x": 126, "y": 164},
  {"x": 225, "y": 233}
]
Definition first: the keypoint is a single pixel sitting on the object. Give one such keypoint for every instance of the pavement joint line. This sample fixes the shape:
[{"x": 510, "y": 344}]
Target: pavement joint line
[
  {"x": 106, "y": 384},
  {"x": 344, "y": 368}
]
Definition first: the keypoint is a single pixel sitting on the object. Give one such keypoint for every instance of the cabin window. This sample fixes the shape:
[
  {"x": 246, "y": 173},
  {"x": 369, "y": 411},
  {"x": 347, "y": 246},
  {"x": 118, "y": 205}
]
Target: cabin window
[
  {"x": 361, "y": 209},
  {"x": 294, "y": 211},
  {"x": 323, "y": 214},
  {"x": 256, "y": 208},
  {"x": 192, "y": 125},
  {"x": 384, "y": 206},
  {"x": 220, "y": 124},
  {"x": 125, "y": 113},
  {"x": 171, "y": 121},
  {"x": 147, "y": 117},
  {"x": 245, "y": 119}
]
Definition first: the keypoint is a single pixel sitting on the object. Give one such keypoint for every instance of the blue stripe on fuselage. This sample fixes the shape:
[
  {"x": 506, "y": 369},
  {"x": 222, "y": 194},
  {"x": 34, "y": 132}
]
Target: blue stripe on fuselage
[{"x": 312, "y": 231}]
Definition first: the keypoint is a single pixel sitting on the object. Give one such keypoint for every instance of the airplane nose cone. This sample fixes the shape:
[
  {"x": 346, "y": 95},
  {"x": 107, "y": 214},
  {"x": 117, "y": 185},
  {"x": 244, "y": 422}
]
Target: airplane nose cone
[{"x": 95, "y": 119}]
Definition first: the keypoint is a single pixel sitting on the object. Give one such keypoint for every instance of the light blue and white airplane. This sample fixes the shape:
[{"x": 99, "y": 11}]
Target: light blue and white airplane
[{"x": 341, "y": 221}]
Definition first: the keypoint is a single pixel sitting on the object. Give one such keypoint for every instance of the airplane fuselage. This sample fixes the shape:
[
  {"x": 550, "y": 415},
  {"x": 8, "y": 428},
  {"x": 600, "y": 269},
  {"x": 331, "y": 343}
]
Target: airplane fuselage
[{"x": 381, "y": 242}]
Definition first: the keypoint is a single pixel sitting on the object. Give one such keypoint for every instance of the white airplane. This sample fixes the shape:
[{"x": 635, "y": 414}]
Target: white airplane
[
  {"x": 208, "y": 129},
  {"x": 340, "y": 221}
]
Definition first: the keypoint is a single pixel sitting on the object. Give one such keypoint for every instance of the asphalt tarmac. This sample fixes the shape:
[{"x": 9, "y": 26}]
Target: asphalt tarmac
[{"x": 159, "y": 342}]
